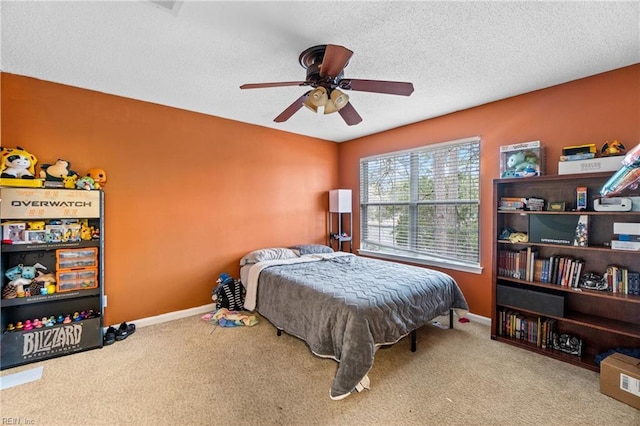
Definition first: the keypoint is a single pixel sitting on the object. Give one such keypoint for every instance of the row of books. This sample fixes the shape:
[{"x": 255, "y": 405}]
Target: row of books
[
  {"x": 621, "y": 280},
  {"x": 535, "y": 330},
  {"x": 527, "y": 265}
]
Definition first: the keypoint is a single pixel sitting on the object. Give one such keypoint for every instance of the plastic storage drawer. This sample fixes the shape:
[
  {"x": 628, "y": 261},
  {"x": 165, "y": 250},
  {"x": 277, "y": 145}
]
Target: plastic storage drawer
[
  {"x": 80, "y": 279},
  {"x": 77, "y": 258}
]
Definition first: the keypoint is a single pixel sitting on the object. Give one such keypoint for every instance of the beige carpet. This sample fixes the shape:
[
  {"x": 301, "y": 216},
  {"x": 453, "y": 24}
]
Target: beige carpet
[{"x": 181, "y": 373}]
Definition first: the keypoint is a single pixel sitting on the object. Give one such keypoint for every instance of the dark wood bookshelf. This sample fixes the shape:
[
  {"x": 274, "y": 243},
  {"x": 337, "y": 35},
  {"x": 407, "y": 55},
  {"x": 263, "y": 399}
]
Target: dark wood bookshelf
[{"x": 603, "y": 320}]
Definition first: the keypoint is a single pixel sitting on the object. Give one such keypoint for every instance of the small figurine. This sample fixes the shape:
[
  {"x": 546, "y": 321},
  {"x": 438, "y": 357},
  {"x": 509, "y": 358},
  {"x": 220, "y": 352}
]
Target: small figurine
[
  {"x": 87, "y": 183},
  {"x": 69, "y": 182},
  {"x": 612, "y": 149},
  {"x": 37, "y": 323},
  {"x": 19, "y": 325},
  {"x": 10, "y": 327},
  {"x": 35, "y": 225},
  {"x": 60, "y": 319},
  {"x": 66, "y": 320},
  {"x": 99, "y": 176},
  {"x": 28, "y": 325}
]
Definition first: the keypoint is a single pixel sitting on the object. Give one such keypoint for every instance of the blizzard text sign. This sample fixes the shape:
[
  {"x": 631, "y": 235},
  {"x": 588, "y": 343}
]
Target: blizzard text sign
[{"x": 49, "y": 340}]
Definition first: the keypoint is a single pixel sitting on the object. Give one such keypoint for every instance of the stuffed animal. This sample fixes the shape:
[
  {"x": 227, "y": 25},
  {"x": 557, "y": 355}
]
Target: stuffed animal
[
  {"x": 56, "y": 172},
  {"x": 521, "y": 160},
  {"x": 18, "y": 163}
]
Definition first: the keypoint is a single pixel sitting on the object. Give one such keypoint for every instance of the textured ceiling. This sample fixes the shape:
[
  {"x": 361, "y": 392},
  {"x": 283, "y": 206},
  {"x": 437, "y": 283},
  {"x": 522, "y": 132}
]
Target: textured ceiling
[{"x": 195, "y": 57}]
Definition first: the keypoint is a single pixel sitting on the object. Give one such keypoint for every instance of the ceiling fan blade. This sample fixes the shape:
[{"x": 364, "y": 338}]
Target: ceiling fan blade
[
  {"x": 350, "y": 115},
  {"x": 377, "y": 86},
  {"x": 334, "y": 61},
  {"x": 292, "y": 109},
  {"x": 280, "y": 84}
]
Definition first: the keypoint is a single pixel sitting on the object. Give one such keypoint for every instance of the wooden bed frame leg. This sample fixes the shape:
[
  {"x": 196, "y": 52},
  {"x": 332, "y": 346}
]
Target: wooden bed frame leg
[
  {"x": 278, "y": 332},
  {"x": 413, "y": 341},
  {"x": 450, "y": 318}
]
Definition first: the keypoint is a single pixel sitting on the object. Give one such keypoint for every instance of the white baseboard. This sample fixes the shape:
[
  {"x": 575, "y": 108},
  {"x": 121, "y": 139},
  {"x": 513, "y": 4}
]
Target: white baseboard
[
  {"x": 170, "y": 316},
  {"x": 479, "y": 319}
]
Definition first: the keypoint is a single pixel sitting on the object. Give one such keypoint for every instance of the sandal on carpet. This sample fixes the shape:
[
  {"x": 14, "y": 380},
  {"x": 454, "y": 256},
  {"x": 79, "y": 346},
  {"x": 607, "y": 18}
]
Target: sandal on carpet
[
  {"x": 109, "y": 336},
  {"x": 125, "y": 330}
]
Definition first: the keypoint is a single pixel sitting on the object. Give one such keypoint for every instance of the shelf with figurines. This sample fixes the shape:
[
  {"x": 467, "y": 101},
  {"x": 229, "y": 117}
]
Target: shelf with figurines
[{"x": 18, "y": 169}]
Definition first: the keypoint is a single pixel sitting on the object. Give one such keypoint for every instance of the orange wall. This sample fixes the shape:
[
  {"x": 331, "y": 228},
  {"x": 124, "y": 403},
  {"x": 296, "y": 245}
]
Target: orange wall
[
  {"x": 591, "y": 110},
  {"x": 187, "y": 194}
]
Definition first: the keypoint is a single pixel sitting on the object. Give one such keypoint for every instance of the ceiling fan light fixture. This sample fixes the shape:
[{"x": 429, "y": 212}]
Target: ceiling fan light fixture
[{"x": 338, "y": 100}]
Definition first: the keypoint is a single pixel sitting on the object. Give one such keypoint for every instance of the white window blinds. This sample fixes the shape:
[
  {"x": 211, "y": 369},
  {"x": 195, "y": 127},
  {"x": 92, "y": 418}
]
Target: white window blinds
[{"x": 423, "y": 202}]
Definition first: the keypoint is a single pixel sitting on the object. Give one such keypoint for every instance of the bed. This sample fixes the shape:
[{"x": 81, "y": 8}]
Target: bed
[{"x": 344, "y": 306}]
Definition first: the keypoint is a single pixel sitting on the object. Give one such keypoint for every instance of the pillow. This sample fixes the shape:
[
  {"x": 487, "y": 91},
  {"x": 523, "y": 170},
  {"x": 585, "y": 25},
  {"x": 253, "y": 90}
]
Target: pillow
[
  {"x": 267, "y": 254},
  {"x": 311, "y": 249}
]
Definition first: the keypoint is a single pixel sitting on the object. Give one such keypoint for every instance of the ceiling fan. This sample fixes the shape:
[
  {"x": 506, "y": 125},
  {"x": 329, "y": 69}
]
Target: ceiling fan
[{"x": 325, "y": 74}]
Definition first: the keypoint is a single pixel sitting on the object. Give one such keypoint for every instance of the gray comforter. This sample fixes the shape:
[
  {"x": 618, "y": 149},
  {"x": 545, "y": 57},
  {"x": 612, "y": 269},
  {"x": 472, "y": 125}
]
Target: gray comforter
[{"x": 344, "y": 307}]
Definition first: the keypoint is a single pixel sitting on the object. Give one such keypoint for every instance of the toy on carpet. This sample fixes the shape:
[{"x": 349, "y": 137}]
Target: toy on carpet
[{"x": 226, "y": 318}]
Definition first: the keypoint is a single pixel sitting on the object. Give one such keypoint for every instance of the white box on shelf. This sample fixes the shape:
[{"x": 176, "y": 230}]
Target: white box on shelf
[
  {"x": 625, "y": 245},
  {"x": 594, "y": 165},
  {"x": 632, "y": 228}
]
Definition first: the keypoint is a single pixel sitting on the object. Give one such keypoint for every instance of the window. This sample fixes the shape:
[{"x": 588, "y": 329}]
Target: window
[{"x": 422, "y": 205}]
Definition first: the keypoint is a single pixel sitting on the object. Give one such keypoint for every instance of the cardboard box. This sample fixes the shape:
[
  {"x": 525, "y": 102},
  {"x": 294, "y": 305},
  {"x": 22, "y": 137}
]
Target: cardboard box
[
  {"x": 620, "y": 378},
  {"x": 595, "y": 165}
]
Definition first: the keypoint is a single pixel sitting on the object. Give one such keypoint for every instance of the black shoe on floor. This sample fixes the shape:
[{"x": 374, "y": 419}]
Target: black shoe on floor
[
  {"x": 109, "y": 336},
  {"x": 125, "y": 330}
]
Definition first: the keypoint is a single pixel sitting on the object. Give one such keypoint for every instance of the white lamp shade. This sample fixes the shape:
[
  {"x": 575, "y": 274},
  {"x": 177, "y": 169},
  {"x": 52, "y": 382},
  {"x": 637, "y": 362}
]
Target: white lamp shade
[{"x": 340, "y": 201}]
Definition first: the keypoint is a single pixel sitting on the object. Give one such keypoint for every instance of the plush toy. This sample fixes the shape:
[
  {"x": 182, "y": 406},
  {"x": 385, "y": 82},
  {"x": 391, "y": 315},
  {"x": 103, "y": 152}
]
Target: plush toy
[
  {"x": 56, "y": 172},
  {"x": 99, "y": 176},
  {"x": 18, "y": 163},
  {"x": 49, "y": 278},
  {"x": 521, "y": 160}
]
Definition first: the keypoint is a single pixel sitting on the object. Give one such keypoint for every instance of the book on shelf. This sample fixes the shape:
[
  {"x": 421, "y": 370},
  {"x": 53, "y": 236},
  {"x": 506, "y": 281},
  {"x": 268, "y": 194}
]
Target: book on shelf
[
  {"x": 633, "y": 281},
  {"x": 628, "y": 237},
  {"x": 577, "y": 157}
]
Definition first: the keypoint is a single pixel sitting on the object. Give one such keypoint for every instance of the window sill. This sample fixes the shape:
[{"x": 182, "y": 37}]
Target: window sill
[{"x": 427, "y": 261}]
